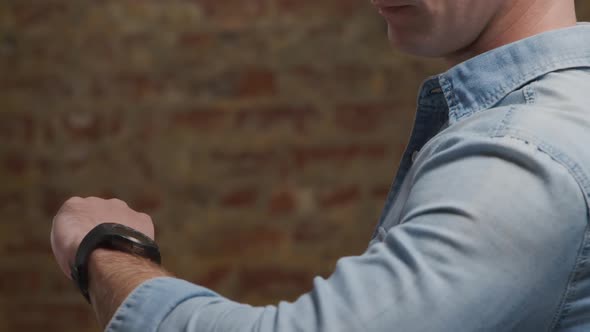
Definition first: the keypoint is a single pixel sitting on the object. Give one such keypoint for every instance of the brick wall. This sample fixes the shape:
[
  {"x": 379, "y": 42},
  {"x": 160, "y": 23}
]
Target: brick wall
[{"x": 261, "y": 136}]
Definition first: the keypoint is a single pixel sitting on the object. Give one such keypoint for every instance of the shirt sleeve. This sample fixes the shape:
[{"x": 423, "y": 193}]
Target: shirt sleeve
[{"x": 487, "y": 241}]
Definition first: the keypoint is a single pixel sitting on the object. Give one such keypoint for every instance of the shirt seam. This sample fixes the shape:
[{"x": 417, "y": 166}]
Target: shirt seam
[
  {"x": 581, "y": 256},
  {"x": 489, "y": 98},
  {"x": 581, "y": 259}
]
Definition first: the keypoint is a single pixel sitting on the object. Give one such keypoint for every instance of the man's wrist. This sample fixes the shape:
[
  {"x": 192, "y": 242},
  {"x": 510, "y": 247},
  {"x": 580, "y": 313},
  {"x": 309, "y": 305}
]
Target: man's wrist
[
  {"x": 106, "y": 264},
  {"x": 113, "y": 275},
  {"x": 100, "y": 256}
]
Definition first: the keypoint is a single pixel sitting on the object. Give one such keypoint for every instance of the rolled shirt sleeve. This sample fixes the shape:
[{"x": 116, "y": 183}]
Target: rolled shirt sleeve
[{"x": 487, "y": 241}]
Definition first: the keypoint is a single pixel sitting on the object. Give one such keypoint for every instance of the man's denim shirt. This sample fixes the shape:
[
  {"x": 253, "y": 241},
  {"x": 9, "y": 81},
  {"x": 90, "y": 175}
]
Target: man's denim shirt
[{"x": 485, "y": 227}]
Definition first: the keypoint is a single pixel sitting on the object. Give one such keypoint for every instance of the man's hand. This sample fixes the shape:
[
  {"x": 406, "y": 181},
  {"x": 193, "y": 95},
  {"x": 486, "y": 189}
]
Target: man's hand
[{"x": 78, "y": 216}]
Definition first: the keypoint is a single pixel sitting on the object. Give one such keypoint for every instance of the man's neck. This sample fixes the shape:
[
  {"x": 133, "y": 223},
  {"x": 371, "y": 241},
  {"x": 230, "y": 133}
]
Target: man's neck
[{"x": 517, "y": 20}]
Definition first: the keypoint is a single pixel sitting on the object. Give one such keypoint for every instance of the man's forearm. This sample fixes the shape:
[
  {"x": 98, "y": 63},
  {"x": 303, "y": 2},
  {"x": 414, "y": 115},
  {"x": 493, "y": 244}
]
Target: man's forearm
[{"x": 113, "y": 276}]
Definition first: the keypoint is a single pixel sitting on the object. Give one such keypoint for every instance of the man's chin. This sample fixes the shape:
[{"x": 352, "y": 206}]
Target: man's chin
[{"x": 401, "y": 41}]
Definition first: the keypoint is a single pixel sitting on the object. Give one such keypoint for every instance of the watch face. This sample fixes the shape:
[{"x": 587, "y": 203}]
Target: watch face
[
  {"x": 131, "y": 241},
  {"x": 131, "y": 234}
]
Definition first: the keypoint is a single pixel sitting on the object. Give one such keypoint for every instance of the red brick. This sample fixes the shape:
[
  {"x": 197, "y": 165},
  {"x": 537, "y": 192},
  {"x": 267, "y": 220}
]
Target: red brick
[
  {"x": 263, "y": 279},
  {"x": 362, "y": 118},
  {"x": 240, "y": 240},
  {"x": 97, "y": 89},
  {"x": 282, "y": 203},
  {"x": 213, "y": 7},
  {"x": 30, "y": 246},
  {"x": 144, "y": 166},
  {"x": 26, "y": 237},
  {"x": 256, "y": 82},
  {"x": 195, "y": 39},
  {"x": 146, "y": 129},
  {"x": 314, "y": 231},
  {"x": 47, "y": 165},
  {"x": 339, "y": 197},
  {"x": 16, "y": 163},
  {"x": 233, "y": 13},
  {"x": 214, "y": 276},
  {"x": 40, "y": 84},
  {"x": 114, "y": 124},
  {"x": 304, "y": 156},
  {"x": 8, "y": 199},
  {"x": 52, "y": 199},
  {"x": 105, "y": 48},
  {"x": 107, "y": 194},
  {"x": 240, "y": 198},
  {"x": 146, "y": 202},
  {"x": 195, "y": 194},
  {"x": 40, "y": 315},
  {"x": 55, "y": 282},
  {"x": 60, "y": 87},
  {"x": 16, "y": 126},
  {"x": 327, "y": 8},
  {"x": 76, "y": 158},
  {"x": 26, "y": 14},
  {"x": 83, "y": 125},
  {"x": 16, "y": 282},
  {"x": 139, "y": 85},
  {"x": 48, "y": 132},
  {"x": 336, "y": 81},
  {"x": 200, "y": 119},
  {"x": 241, "y": 163},
  {"x": 138, "y": 38},
  {"x": 234, "y": 82},
  {"x": 380, "y": 192},
  {"x": 298, "y": 118}
]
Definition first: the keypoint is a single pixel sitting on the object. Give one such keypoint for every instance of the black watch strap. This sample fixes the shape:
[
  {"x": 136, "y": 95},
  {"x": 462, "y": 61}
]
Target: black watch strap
[{"x": 115, "y": 237}]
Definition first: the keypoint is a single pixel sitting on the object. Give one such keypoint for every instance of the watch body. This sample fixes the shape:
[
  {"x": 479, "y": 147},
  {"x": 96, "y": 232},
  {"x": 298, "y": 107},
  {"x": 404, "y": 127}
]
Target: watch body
[{"x": 115, "y": 237}]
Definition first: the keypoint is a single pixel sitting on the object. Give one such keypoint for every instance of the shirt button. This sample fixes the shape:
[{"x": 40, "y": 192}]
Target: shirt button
[{"x": 414, "y": 155}]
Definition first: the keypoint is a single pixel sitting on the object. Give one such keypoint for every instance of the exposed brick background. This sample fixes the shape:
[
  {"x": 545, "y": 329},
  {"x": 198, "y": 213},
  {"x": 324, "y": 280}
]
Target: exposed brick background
[{"x": 261, "y": 135}]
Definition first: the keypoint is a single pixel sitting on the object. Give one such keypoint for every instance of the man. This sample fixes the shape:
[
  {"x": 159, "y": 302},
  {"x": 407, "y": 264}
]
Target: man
[{"x": 485, "y": 227}]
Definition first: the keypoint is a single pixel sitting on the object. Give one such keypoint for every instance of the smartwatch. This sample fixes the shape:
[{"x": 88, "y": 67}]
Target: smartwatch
[{"x": 114, "y": 237}]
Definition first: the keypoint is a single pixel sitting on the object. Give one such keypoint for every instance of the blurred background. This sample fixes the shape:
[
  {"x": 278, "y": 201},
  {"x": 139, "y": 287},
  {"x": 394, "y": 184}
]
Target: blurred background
[{"x": 260, "y": 135}]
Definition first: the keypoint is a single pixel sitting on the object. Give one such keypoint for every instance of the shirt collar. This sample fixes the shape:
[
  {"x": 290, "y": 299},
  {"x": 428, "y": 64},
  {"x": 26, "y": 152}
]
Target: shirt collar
[{"x": 483, "y": 81}]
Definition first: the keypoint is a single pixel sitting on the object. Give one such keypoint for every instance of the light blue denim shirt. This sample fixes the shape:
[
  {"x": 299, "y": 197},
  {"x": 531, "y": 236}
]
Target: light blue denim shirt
[{"x": 485, "y": 227}]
